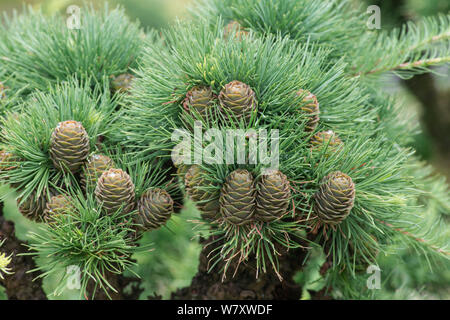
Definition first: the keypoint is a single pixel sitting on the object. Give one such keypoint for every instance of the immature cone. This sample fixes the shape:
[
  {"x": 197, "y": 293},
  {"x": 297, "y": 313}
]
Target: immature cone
[
  {"x": 235, "y": 27},
  {"x": 7, "y": 161},
  {"x": 95, "y": 165},
  {"x": 238, "y": 198},
  {"x": 155, "y": 207},
  {"x": 122, "y": 82},
  {"x": 2, "y": 91},
  {"x": 335, "y": 198},
  {"x": 33, "y": 207},
  {"x": 69, "y": 146},
  {"x": 197, "y": 189},
  {"x": 57, "y": 205},
  {"x": 238, "y": 100},
  {"x": 115, "y": 190},
  {"x": 273, "y": 195},
  {"x": 327, "y": 139},
  {"x": 311, "y": 108},
  {"x": 199, "y": 99}
]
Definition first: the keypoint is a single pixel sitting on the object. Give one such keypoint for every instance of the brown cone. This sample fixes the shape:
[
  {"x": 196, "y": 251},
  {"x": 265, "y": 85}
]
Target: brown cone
[
  {"x": 115, "y": 190},
  {"x": 155, "y": 207},
  {"x": 69, "y": 146},
  {"x": 237, "y": 100},
  {"x": 272, "y": 200},
  {"x": 310, "y": 108},
  {"x": 335, "y": 198},
  {"x": 238, "y": 198}
]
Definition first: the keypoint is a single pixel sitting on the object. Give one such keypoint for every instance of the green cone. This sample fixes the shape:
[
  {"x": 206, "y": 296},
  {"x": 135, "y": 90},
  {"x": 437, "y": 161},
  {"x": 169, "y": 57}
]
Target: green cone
[
  {"x": 238, "y": 198},
  {"x": 273, "y": 195},
  {"x": 199, "y": 100},
  {"x": 33, "y": 207},
  {"x": 7, "y": 161},
  {"x": 327, "y": 139},
  {"x": 236, "y": 28},
  {"x": 310, "y": 108},
  {"x": 115, "y": 190},
  {"x": 2, "y": 91},
  {"x": 237, "y": 100},
  {"x": 335, "y": 198},
  {"x": 69, "y": 146},
  {"x": 122, "y": 82},
  {"x": 95, "y": 165},
  {"x": 57, "y": 205},
  {"x": 155, "y": 207},
  {"x": 197, "y": 189}
]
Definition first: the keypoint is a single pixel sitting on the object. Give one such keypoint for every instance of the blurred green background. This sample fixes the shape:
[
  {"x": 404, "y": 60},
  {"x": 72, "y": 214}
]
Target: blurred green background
[{"x": 177, "y": 259}]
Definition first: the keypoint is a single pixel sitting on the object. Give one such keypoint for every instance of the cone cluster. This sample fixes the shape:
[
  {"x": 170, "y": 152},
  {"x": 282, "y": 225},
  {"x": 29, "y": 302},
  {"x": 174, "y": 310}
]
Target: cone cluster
[
  {"x": 201, "y": 192},
  {"x": 115, "y": 190},
  {"x": 310, "y": 107},
  {"x": 155, "y": 207},
  {"x": 335, "y": 198},
  {"x": 69, "y": 146},
  {"x": 236, "y": 101}
]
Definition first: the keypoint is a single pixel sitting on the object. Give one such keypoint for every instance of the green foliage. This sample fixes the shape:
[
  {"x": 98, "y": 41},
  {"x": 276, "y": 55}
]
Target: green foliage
[
  {"x": 290, "y": 45},
  {"x": 27, "y": 134},
  {"x": 96, "y": 243},
  {"x": 38, "y": 50}
]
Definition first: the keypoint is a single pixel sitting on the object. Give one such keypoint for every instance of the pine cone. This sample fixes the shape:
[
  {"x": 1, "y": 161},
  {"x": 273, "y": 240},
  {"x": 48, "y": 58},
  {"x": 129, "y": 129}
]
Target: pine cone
[
  {"x": 7, "y": 161},
  {"x": 327, "y": 139},
  {"x": 33, "y": 207},
  {"x": 122, "y": 82},
  {"x": 57, "y": 205},
  {"x": 94, "y": 167},
  {"x": 69, "y": 146},
  {"x": 2, "y": 91},
  {"x": 197, "y": 189},
  {"x": 311, "y": 108},
  {"x": 235, "y": 27},
  {"x": 237, "y": 198},
  {"x": 199, "y": 99},
  {"x": 155, "y": 207},
  {"x": 238, "y": 100},
  {"x": 115, "y": 190},
  {"x": 335, "y": 198},
  {"x": 272, "y": 199}
]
